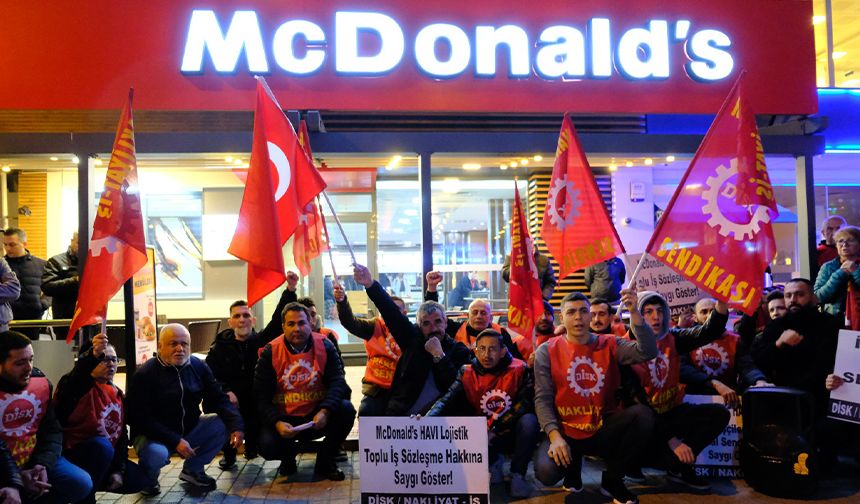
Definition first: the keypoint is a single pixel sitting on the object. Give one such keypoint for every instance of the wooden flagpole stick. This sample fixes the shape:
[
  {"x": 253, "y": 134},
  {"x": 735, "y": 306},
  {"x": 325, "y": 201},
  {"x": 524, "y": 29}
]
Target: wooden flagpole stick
[
  {"x": 632, "y": 278},
  {"x": 327, "y": 239},
  {"x": 340, "y": 226}
]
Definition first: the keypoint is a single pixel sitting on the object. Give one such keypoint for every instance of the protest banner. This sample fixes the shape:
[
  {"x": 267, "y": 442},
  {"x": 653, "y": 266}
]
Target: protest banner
[
  {"x": 145, "y": 330},
  {"x": 721, "y": 458},
  {"x": 432, "y": 460},
  {"x": 655, "y": 276},
  {"x": 845, "y": 400}
]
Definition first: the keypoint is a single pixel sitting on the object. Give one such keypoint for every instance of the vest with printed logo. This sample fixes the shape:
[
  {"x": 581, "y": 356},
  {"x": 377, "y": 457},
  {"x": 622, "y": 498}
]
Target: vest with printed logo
[
  {"x": 660, "y": 377},
  {"x": 300, "y": 376},
  {"x": 493, "y": 394},
  {"x": 586, "y": 378},
  {"x": 99, "y": 413},
  {"x": 465, "y": 338},
  {"x": 382, "y": 356},
  {"x": 20, "y": 416},
  {"x": 717, "y": 358}
]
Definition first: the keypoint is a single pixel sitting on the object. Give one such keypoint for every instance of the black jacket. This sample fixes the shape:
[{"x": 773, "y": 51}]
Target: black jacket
[
  {"x": 415, "y": 363},
  {"x": 30, "y": 304},
  {"x": 10, "y": 475},
  {"x": 265, "y": 384},
  {"x": 61, "y": 282},
  {"x": 163, "y": 401},
  {"x": 71, "y": 388},
  {"x": 454, "y": 401},
  {"x": 49, "y": 437}
]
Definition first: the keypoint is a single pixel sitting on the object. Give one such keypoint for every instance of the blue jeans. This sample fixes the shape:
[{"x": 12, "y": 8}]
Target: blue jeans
[
  {"x": 95, "y": 456},
  {"x": 521, "y": 443},
  {"x": 69, "y": 483},
  {"x": 207, "y": 438}
]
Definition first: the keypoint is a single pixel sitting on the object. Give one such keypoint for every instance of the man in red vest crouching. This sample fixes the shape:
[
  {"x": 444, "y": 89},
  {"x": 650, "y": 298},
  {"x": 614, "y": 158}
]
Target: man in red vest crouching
[
  {"x": 576, "y": 380},
  {"x": 90, "y": 408},
  {"x": 302, "y": 394},
  {"x": 30, "y": 432},
  {"x": 500, "y": 387}
]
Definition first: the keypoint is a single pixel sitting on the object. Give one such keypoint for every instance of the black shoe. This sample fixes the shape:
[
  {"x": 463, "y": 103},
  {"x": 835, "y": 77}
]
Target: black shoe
[
  {"x": 614, "y": 488},
  {"x": 227, "y": 462},
  {"x": 341, "y": 456},
  {"x": 686, "y": 475},
  {"x": 573, "y": 477},
  {"x": 199, "y": 479},
  {"x": 288, "y": 467},
  {"x": 635, "y": 476},
  {"x": 331, "y": 475},
  {"x": 251, "y": 454},
  {"x": 151, "y": 491}
]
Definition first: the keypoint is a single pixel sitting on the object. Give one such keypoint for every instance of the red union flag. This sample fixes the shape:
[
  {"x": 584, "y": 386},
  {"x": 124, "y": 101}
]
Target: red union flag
[
  {"x": 576, "y": 227},
  {"x": 307, "y": 241},
  {"x": 716, "y": 231},
  {"x": 281, "y": 181},
  {"x": 525, "y": 300},
  {"x": 118, "y": 247}
]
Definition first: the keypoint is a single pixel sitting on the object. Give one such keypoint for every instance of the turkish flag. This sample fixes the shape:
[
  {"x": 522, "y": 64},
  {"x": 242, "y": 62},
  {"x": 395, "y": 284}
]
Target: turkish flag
[
  {"x": 525, "y": 299},
  {"x": 117, "y": 247},
  {"x": 281, "y": 182},
  {"x": 308, "y": 239},
  {"x": 576, "y": 227},
  {"x": 716, "y": 231}
]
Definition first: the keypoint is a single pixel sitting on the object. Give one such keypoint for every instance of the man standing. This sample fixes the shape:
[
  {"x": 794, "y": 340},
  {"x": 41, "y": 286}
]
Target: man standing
[
  {"x": 604, "y": 279},
  {"x": 61, "y": 281},
  {"x": 827, "y": 246},
  {"x": 429, "y": 360},
  {"x": 301, "y": 394},
  {"x": 576, "y": 379},
  {"x": 10, "y": 289},
  {"x": 30, "y": 305},
  {"x": 164, "y": 398},
  {"x": 546, "y": 273},
  {"x": 30, "y": 432}
]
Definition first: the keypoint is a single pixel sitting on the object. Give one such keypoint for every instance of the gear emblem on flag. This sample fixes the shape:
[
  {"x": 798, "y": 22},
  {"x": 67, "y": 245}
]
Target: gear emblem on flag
[
  {"x": 565, "y": 215},
  {"x": 720, "y": 222}
]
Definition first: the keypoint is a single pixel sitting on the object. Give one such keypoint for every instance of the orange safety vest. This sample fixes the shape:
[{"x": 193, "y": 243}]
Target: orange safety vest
[
  {"x": 524, "y": 345},
  {"x": 463, "y": 337},
  {"x": 382, "y": 356},
  {"x": 300, "y": 376},
  {"x": 20, "y": 416},
  {"x": 717, "y": 359},
  {"x": 494, "y": 394},
  {"x": 661, "y": 376},
  {"x": 99, "y": 413},
  {"x": 325, "y": 331},
  {"x": 541, "y": 339},
  {"x": 586, "y": 378}
]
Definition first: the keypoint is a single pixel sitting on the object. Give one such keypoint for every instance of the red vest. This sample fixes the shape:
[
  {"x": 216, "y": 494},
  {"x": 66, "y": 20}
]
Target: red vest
[
  {"x": 494, "y": 394},
  {"x": 300, "y": 376},
  {"x": 541, "y": 339},
  {"x": 717, "y": 359},
  {"x": 586, "y": 378},
  {"x": 99, "y": 413},
  {"x": 524, "y": 345},
  {"x": 329, "y": 333},
  {"x": 463, "y": 337},
  {"x": 661, "y": 376},
  {"x": 20, "y": 416},
  {"x": 382, "y": 356}
]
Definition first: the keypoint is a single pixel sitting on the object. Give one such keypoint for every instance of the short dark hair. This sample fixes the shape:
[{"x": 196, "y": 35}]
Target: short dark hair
[
  {"x": 307, "y": 302},
  {"x": 801, "y": 280},
  {"x": 597, "y": 301},
  {"x": 296, "y": 307},
  {"x": 489, "y": 333},
  {"x": 398, "y": 298},
  {"x": 239, "y": 302},
  {"x": 15, "y": 231},
  {"x": 575, "y": 296},
  {"x": 12, "y": 340},
  {"x": 775, "y": 294}
]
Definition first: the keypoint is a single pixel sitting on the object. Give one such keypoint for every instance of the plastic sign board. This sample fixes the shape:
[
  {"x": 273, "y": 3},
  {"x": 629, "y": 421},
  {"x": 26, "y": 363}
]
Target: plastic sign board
[
  {"x": 680, "y": 294},
  {"x": 721, "y": 458},
  {"x": 433, "y": 460},
  {"x": 845, "y": 400},
  {"x": 145, "y": 313}
]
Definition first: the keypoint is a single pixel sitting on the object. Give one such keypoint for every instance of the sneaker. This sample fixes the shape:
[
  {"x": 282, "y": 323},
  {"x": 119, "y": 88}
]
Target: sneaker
[
  {"x": 341, "y": 456},
  {"x": 520, "y": 486},
  {"x": 573, "y": 481},
  {"x": 251, "y": 454},
  {"x": 328, "y": 471},
  {"x": 151, "y": 491},
  {"x": 288, "y": 467},
  {"x": 614, "y": 488},
  {"x": 227, "y": 462},
  {"x": 635, "y": 476},
  {"x": 199, "y": 478},
  {"x": 686, "y": 475},
  {"x": 497, "y": 471}
]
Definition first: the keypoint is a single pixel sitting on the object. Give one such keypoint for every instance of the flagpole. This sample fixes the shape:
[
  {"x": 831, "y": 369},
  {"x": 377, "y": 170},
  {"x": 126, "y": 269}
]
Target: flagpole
[
  {"x": 340, "y": 226},
  {"x": 327, "y": 239},
  {"x": 632, "y": 281}
]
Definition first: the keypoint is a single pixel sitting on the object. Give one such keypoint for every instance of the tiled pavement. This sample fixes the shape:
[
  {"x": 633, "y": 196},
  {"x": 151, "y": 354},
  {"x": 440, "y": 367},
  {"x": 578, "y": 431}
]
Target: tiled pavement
[{"x": 257, "y": 480}]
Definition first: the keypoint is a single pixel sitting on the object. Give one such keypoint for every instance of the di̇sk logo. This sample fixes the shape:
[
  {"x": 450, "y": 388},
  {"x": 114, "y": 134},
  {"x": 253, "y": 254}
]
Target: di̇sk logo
[
  {"x": 300, "y": 373},
  {"x": 719, "y": 197},
  {"x": 391, "y": 347},
  {"x": 658, "y": 367},
  {"x": 712, "y": 359},
  {"x": 495, "y": 403},
  {"x": 563, "y": 203},
  {"x": 110, "y": 421},
  {"x": 585, "y": 376},
  {"x": 19, "y": 412},
  {"x": 282, "y": 165}
]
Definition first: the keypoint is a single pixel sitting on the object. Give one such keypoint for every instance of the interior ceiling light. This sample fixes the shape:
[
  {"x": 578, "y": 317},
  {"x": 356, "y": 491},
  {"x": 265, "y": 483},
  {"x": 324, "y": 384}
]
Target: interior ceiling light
[
  {"x": 75, "y": 159},
  {"x": 6, "y": 169},
  {"x": 538, "y": 158},
  {"x": 514, "y": 164},
  {"x": 237, "y": 162},
  {"x": 98, "y": 162},
  {"x": 670, "y": 158},
  {"x": 503, "y": 166},
  {"x": 228, "y": 159},
  {"x": 649, "y": 161},
  {"x": 54, "y": 158},
  {"x": 628, "y": 164},
  {"x": 471, "y": 166},
  {"x": 613, "y": 167},
  {"x": 524, "y": 161}
]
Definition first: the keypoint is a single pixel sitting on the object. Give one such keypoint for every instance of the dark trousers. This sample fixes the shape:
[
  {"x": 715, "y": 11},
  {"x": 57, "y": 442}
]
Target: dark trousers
[
  {"x": 248, "y": 410},
  {"x": 374, "y": 405},
  {"x": 520, "y": 443},
  {"x": 697, "y": 425},
  {"x": 95, "y": 456},
  {"x": 621, "y": 440},
  {"x": 340, "y": 422}
]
